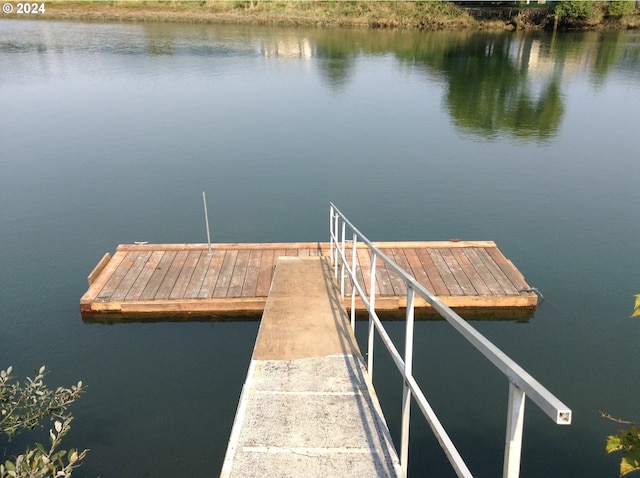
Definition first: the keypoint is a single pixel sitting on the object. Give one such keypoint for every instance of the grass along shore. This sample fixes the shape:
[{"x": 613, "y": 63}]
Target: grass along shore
[
  {"x": 304, "y": 13},
  {"x": 431, "y": 15}
]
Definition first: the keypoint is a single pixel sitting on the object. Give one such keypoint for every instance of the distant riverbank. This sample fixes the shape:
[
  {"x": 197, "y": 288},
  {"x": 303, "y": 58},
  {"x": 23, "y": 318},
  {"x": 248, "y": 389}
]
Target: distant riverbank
[{"x": 364, "y": 14}]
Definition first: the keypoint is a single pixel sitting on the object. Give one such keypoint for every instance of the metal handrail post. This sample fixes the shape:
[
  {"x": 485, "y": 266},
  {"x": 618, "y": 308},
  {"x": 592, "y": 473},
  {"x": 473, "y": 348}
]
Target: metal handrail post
[
  {"x": 335, "y": 231},
  {"x": 515, "y": 425},
  {"x": 408, "y": 372},
  {"x": 331, "y": 232},
  {"x": 344, "y": 228},
  {"x": 354, "y": 258},
  {"x": 372, "y": 308}
]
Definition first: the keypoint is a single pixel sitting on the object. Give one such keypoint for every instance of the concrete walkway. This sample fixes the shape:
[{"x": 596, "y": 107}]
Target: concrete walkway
[{"x": 308, "y": 408}]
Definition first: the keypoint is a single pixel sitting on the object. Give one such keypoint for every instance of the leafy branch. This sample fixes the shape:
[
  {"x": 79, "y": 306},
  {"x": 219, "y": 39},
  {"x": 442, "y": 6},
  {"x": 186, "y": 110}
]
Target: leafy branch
[
  {"x": 626, "y": 441},
  {"x": 24, "y": 407}
]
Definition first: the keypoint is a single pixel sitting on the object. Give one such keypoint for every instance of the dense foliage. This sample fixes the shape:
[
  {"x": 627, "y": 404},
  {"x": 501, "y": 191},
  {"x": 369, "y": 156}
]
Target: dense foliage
[
  {"x": 594, "y": 11},
  {"x": 423, "y": 15},
  {"x": 619, "y": 8},
  {"x": 25, "y": 407},
  {"x": 575, "y": 9}
]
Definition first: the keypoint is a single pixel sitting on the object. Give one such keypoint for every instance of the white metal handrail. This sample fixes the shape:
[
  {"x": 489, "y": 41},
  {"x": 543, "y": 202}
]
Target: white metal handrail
[{"x": 521, "y": 383}]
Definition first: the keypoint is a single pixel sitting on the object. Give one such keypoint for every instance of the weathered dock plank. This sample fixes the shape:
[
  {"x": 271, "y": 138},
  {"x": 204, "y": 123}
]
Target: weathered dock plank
[
  {"x": 239, "y": 274},
  {"x": 226, "y": 271},
  {"x": 417, "y": 269},
  {"x": 152, "y": 287},
  {"x": 267, "y": 263},
  {"x": 139, "y": 260},
  {"x": 397, "y": 283},
  {"x": 493, "y": 287},
  {"x": 184, "y": 280},
  {"x": 98, "y": 283},
  {"x": 439, "y": 285},
  {"x": 207, "y": 278},
  {"x": 507, "y": 268},
  {"x": 118, "y": 276},
  {"x": 143, "y": 278},
  {"x": 199, "y": 273},
  {"x": 170, "y": 279},
  {"x": 458, "y": 272},
  {"x": 190, "y": 263},
  {"x": 445, "y": 272},
  {"x": 253, "y": 272},
  {"x": 98, "y": 268}
]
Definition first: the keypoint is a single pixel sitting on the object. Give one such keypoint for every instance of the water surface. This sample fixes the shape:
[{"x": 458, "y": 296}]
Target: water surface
[{"x": 110, "y": 132}]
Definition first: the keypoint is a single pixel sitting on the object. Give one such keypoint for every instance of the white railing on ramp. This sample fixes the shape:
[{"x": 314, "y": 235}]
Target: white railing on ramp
[{"x": 521, "y": 384}]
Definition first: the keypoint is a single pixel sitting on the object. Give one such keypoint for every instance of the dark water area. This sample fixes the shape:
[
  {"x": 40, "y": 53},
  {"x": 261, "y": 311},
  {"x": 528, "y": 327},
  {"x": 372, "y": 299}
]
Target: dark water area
[{"x": 109, "y": 133}]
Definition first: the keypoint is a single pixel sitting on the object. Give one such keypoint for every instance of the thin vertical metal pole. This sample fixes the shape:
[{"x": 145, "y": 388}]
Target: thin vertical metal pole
[
  {"x": 354, "y": 258},
  {"x": 515, "y": 425},
  {"x": 372, "y": 308},
  {"x": 335, "y": 231},
  {"x": 206, "y": 221},
  {"x": 331, "y": 232},
  {"x": 344, "y": 242},
  {"x": 408, "y": 371}
]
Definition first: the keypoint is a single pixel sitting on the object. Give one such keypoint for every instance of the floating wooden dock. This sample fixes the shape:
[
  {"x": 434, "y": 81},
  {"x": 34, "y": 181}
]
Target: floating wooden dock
[
  {"x": 308, "y": 407},
  {"x": 182, "y": 281}
]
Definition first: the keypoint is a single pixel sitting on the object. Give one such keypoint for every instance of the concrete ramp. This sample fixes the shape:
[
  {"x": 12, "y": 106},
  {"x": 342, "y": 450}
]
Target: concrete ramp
[{"x": 308, "y": 407}]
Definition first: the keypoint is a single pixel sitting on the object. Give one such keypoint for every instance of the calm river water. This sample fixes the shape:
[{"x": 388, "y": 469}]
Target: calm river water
[{"x": 109, "y": 133}]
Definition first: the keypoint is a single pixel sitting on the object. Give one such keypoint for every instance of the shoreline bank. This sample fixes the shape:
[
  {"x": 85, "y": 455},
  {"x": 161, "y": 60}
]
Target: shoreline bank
[{"x": 387, "y": 15}]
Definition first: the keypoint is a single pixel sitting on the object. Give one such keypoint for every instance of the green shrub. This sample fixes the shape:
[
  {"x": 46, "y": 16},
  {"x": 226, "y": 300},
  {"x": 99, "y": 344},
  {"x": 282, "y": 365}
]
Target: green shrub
[
  {"x": 575, "y": 9},
  {"x": 619, "y": 8},
  {"x": 24, "y": 406}
]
